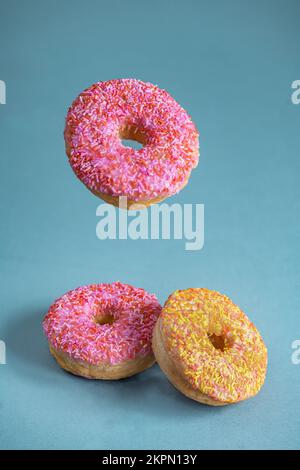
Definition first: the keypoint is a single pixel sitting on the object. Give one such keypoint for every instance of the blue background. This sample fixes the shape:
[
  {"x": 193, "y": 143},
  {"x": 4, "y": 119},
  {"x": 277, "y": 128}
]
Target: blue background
[{"x": 231, "y": 65}]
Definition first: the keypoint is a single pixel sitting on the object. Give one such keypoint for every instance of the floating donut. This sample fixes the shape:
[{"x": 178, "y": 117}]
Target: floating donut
[
  {"x": 208, "y": 348},
  {"x": 103, "y": 331},
  {"x": 108, "y": 112}
]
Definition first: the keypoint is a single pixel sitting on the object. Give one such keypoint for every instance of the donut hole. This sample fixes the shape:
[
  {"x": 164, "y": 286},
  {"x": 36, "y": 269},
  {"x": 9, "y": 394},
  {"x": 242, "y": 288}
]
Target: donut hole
[
  {"x": 134, "y": 144},
  {"x": 104, "y": 319},
  {"x": 131, "y": 136},
  {"x": 218, "y": 341}
]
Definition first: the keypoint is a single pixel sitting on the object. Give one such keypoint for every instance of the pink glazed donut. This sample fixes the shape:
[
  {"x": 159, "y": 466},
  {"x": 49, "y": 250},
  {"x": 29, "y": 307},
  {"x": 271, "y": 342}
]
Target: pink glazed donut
[
  {"x": 108, "y": 112},
  {"x": 103, "y": 331}
]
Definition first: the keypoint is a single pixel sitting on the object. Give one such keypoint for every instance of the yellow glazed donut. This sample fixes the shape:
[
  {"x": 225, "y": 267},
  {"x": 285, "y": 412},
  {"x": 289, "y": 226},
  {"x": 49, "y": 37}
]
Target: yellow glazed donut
[{"x": 208, "y": 348}]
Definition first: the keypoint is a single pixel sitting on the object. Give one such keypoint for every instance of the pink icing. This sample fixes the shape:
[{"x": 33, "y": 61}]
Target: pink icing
[
  {"x": 94, "y": 126},
  {"x": 70, "y": 324}
]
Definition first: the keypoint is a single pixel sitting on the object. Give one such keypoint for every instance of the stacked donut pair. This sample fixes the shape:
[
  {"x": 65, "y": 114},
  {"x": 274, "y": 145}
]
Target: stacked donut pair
[{"x": 203, "y": 342}]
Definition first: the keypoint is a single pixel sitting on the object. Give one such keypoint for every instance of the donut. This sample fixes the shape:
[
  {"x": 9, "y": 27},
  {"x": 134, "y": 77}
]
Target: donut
[
  {"x": 103, "y": 331},
  {"x": 107, "y": 112},
  {"x": 208, "y": 348}
]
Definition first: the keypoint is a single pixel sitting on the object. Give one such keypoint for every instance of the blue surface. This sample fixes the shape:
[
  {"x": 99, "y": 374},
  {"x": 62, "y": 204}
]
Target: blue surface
[{"x": 231, "y": 65}]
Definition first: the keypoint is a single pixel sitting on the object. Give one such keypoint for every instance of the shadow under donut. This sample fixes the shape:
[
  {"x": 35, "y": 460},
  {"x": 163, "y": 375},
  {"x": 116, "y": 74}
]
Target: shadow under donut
[{"x": 148, "y": 392}]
